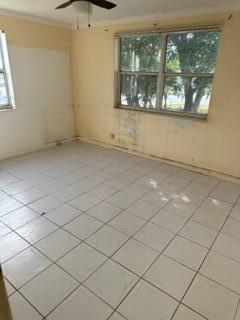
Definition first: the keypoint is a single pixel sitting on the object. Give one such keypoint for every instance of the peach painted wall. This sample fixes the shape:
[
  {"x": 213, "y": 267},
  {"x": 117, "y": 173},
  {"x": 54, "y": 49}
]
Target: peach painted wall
[{"x": 213, "y": 144}]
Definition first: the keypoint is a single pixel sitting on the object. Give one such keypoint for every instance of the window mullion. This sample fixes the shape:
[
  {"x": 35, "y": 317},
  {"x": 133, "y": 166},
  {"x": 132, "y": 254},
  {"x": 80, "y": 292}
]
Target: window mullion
[
  {"x": 187, "y": 74},
  {"x": 160, "y": 82},
  {"x": 7, "y": 87},
  {"x": 140, "y": 73},
  {"x": 3, "y": 71},
  {"x": 117, "y": 71}
]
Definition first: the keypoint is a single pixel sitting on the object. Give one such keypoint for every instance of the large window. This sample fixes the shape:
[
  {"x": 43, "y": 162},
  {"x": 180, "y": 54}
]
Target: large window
[
  {"x": 168, "y": 72},
  {"x": 6, "y": 86}
]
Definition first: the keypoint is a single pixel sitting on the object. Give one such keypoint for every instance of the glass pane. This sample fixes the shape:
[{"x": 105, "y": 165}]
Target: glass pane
[
  {"x": 1, "y": 61},
  {"x": 3, "y": 91},
  {"x": 139, "y": 91},
  {"x": 187, "y": 94},
  {"x": 1, "y": 58},
  {"x": 192, "y": 51},
  {"x": 141, "y": 53}
]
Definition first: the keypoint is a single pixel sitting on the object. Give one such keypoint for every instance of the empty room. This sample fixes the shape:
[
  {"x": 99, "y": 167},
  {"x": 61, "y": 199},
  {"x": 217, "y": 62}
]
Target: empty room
[{"x": 120, "y": 160}]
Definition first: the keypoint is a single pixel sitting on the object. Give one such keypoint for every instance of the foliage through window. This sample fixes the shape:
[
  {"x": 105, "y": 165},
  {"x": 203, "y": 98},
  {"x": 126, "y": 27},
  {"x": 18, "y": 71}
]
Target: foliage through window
[
  {"x": 168, "y": 71},
  {"x": 6, "y": 87}
]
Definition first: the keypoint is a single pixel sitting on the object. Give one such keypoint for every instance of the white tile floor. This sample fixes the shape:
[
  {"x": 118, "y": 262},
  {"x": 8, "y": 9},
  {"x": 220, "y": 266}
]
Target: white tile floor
[{"x": 98, "y": 234}]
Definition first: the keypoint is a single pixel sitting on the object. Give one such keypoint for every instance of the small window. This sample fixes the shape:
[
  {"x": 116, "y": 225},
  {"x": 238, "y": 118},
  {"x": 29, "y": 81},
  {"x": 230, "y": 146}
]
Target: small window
[
  {"x": 6, "y": 86},
  {"x": 168, "y": 72}
]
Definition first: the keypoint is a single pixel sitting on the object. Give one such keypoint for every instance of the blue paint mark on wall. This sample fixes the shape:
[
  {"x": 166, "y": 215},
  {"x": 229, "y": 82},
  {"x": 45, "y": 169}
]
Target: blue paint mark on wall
[{"x": 130, "y": 126}]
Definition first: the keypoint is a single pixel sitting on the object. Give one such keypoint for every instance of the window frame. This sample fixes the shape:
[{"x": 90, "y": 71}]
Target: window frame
[
  {"x": 6, "y": 71},
  {"x": 161, "y": 73}
]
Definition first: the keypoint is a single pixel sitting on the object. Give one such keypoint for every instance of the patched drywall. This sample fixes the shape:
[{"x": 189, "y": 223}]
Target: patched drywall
[
  {"x": 211, "y": 144},
  {"x": 42, "y": 84}
]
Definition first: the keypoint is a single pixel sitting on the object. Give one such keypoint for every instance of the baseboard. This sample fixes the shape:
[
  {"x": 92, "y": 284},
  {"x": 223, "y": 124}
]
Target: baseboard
[
  {"x": 53, "y": 143},
  {"x": 186, "y": 166},
  {"x": 46, "y": 145}
]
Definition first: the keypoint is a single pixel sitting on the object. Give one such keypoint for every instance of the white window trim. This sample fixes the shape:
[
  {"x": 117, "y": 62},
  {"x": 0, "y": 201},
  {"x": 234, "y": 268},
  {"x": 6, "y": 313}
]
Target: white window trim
[
  {"x": 162, "y": 73},
  {"x": 7, "y": 73}
]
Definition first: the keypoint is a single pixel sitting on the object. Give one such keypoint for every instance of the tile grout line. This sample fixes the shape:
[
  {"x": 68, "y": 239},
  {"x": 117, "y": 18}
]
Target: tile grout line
[
  {"x": 93, "y": 248},
  {"x": 17, "y": 290},
  {"x": 108, "y": 257},
  {"x": 49, "y": 193},
  {"x": 196, "y": 271},
  {"x": 236, "y": 312},
  {"x": 150, "y": 218},
  {"x": 63, "y": 203},
  {"x": 142, "y": 276},
  {"x": 61, "y": 227},
  {"x": 119, "y": 213},
  {"x": 209, "y": 250},
  {"x": 55, "y": 262}
]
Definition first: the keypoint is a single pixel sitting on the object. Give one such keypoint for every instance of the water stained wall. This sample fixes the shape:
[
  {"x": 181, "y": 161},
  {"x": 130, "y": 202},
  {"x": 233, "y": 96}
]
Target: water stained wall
[{"x": 211, "y": 144}]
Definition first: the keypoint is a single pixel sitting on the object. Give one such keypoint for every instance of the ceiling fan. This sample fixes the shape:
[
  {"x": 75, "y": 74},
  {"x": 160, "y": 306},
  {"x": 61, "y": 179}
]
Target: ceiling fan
[{"x": 100, "y": 3}]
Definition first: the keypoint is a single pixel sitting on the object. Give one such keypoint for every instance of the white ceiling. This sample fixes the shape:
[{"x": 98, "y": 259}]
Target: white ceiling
[{"x": 126, "y": 9}]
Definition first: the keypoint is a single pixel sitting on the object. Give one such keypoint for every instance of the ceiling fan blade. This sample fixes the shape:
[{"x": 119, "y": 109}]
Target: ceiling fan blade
[
  {"x": 103, "y": 4},
  {"x": 65, "y": 5}
]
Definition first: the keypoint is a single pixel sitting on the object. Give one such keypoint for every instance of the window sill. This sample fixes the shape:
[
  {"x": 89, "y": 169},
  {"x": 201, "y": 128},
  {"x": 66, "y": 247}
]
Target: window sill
[
  {"x": 7, "y": 108},
  {"x": 166, "y": 112}
]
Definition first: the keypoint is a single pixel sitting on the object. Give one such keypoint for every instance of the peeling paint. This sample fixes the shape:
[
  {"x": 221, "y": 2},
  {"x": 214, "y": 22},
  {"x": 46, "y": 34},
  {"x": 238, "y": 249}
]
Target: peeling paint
[
  {"x": 130, "y": 126},
  {"x": 191, "y": 141},
  {"x": 130, "y": 133}
]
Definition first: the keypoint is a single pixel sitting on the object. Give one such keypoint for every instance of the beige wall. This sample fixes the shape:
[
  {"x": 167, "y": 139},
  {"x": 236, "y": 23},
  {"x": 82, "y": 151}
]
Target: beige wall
[
  {"x": 40, "y": 63},
  {"x": 213, "y": 144},
  {"x": 35, "y": 35}
]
